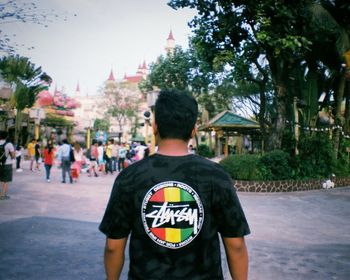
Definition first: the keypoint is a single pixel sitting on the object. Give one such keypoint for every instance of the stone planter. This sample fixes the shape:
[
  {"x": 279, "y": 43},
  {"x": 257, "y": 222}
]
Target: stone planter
[{"x": 286, "y": 185}]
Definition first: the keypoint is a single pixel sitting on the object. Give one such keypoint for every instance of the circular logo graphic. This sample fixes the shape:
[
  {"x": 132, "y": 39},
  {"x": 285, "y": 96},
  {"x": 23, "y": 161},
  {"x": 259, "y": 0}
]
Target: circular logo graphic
[{"x": 172, "y": 214}]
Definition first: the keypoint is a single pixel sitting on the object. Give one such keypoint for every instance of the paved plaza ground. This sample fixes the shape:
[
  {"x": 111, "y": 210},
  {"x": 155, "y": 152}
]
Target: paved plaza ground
[{"x": 50, "y": 231}]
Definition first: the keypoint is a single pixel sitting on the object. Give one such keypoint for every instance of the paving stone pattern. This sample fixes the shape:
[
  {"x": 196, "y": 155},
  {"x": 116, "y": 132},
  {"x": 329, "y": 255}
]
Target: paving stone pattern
[{"x": 50, "y": 231}]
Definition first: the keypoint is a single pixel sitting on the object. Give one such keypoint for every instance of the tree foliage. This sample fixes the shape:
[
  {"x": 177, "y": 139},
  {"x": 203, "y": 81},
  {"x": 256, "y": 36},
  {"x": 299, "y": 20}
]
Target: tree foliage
[
  {"x": 287, "y": 48},
  {"x": 179, "y": 70},
  {"x": 101, "y": 124},
  {"x": 122, "y": 104},
  {"x": 14, "y": 11},
  {"x": 27, "y": 79}
]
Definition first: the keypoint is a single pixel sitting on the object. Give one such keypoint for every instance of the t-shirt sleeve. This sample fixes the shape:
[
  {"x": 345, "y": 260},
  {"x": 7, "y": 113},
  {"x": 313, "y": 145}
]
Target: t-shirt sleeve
[
  {"x": 228, "y": 211},
  {"x": 117, "y": 220}
]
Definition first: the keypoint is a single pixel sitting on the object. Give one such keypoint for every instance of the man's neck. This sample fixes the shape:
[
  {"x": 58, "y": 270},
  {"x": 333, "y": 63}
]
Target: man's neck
[{"x": 172, "y": 147}]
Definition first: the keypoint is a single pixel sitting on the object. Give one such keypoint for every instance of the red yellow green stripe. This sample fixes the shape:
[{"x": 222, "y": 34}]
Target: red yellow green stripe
[
  {"x": 174, "y": 235},
  {"x": 171, "y": 194}
]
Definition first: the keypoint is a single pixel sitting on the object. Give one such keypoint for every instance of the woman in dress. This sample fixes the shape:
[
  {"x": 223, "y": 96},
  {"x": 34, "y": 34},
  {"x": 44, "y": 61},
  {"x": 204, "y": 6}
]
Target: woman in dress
[
  {"x": 101, "y": 162},
  {"x": 78, "y": 159}
]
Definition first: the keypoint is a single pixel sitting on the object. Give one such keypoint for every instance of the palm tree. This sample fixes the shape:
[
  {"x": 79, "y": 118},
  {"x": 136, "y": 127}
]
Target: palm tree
[
  {"x": 330, "y": 32},
  {"x": 28, "y": 81}
]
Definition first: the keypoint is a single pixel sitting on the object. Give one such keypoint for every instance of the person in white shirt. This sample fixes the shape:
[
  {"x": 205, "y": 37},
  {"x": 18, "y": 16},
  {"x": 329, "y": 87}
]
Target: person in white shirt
[
  {"x": 121, "y": 157},
  {"x": 63, "y": 155},
  {"x": 19, "y": 153},
  {"x": 100, "y": 160},
  {"x": 7, "y": 155},
  {"x": 115, "y": 150}
]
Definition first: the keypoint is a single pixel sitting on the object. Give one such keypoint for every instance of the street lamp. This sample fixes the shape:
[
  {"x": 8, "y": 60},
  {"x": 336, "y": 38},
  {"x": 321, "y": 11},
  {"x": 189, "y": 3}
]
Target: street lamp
[
  {"x": 37, "y": 114},
  {"x": 151, "y": 101},
  {"x": 88, "y": 125},
  {"x": 147, "y": 117}
]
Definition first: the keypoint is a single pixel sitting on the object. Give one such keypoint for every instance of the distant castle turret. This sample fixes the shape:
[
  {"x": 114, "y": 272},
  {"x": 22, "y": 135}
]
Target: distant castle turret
[
  {"x": 170, "y": 47},
  {"x": 77, "y": 91}
]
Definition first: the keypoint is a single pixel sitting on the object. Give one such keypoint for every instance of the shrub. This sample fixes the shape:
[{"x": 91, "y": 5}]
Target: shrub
[
  {"x": 316, "y": 158},
  {"x": 204, "y": 151},
  {"x": 342, "y": 167},
  {"x": 275, "y": 165},
  {"x": 242, "y": 167}
]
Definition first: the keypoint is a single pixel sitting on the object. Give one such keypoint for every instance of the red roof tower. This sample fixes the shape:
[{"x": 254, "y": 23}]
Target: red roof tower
[
  {"x": 171, "y": 37},
  {"x": 111, "y": 76}
]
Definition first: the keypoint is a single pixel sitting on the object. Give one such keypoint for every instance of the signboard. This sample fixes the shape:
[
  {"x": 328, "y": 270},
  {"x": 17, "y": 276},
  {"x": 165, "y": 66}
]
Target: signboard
[
  {"x": 101, "y": 136},
  {"x": 37, "y": 113}
]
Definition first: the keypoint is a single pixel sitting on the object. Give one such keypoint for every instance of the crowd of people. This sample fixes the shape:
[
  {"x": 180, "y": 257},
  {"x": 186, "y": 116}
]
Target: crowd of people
[{"x": 100, "y": 158}]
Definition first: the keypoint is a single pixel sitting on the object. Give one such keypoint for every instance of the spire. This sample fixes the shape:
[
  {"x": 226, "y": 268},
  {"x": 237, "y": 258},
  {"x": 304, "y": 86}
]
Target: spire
[
  {"x": 171, "y": 37},
  {"x": 170, "y": 46},
  {"x": 78, "y": 88},
  {"x": 111, "y": 76},
  {"x": 144, "y": 65}
]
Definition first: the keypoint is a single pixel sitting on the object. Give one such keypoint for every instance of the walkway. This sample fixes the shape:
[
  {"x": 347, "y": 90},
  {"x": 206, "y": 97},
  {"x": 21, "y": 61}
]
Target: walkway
[{"x": 49, "y": 231}]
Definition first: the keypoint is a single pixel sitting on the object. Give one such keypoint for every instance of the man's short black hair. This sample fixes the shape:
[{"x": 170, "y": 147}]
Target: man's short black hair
[{"x": 175, "y": 114}]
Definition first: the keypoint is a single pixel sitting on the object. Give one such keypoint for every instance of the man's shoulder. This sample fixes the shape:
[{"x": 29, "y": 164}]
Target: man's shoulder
[
  {"x": 136, "y": 166},
  {"x": 207, "y": 162}
]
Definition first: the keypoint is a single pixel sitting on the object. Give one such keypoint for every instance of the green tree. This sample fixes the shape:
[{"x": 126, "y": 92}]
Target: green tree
[
  {"x": 28, "y": 80},
  {"x": 179, "y": 70},
  {"x": 101, "y": 124},
  {"x": 122, "y": 105},
  {"x": 296, "y": 38},
  {"x": 183, "y": 70}
]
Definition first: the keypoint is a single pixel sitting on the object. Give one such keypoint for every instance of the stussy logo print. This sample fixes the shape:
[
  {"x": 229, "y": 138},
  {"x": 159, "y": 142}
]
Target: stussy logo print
[{"x": 172, "y": 214}]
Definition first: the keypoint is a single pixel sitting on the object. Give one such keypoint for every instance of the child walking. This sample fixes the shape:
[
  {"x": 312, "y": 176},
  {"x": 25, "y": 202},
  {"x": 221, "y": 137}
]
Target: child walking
[{"x": 49, "y": 155}]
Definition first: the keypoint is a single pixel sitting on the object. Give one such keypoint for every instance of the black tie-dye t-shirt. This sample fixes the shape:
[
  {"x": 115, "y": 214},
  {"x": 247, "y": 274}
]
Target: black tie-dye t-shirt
[{"x": 174, "y": 207}]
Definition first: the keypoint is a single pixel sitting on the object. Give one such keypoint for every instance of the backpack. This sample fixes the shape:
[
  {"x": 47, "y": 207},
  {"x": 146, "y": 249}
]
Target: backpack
[
  {"x": 71, "y": 155},
  {"x": 3, "y": 156}
]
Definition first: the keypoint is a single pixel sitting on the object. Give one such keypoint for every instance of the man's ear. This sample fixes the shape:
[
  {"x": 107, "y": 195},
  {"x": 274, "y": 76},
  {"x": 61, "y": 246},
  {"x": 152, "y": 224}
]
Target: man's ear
[
  {"x": 155, "y": 128},
  {"x": 194, "y": 131}
]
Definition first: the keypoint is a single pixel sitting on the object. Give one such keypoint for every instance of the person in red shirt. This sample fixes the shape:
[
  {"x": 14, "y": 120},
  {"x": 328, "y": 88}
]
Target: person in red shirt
[{"x": 49, "y": 155}]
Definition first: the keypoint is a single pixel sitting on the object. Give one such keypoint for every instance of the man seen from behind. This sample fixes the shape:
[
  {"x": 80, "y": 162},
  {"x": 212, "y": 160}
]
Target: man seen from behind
[{"x": 174, "y": 205}]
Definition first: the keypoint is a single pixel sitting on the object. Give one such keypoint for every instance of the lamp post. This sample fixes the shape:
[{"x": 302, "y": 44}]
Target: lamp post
[
  {"x": 151, "y": 101},
  {"x": 37, "y": 114},
  {"x": 146, "y": 116},
  {"x": 88, "y": 133}
]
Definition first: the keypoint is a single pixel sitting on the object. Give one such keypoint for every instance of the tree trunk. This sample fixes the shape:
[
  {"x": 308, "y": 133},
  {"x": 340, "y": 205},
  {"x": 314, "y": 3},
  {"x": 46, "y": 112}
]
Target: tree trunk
[
  {"x": 339, "y": 120},
  {"x": 279, "y": 124},
  {"x": 18, "y": 125},
  {"x": 261, "y": 116},
  {"x": 347, "y": 108},
  {"x": 311, "y": 97},
  {"x": 279, "y": 72}
]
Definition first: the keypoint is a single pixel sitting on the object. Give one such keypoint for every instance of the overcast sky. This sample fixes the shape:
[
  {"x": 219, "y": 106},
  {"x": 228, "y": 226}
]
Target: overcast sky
[{"x": 105, "y": 34}]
